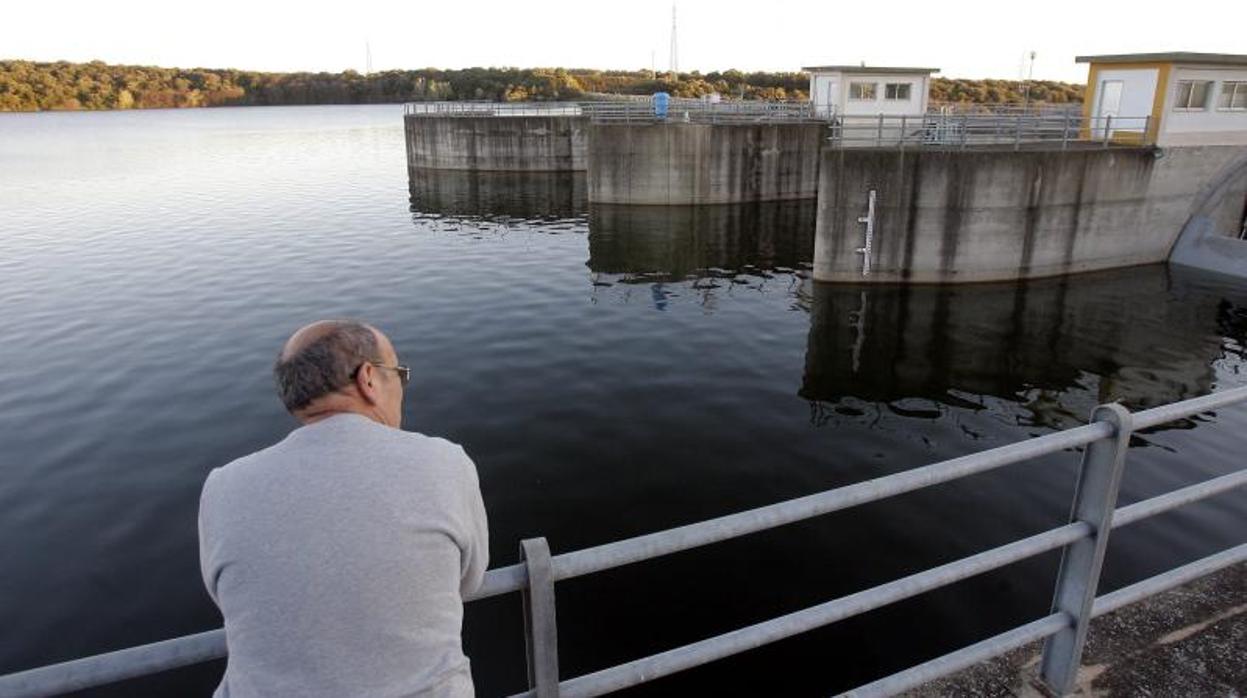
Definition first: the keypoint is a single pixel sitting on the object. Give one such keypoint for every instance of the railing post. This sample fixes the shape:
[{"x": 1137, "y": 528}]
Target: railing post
[
  {"x": 1017, "y": 134},
  {"x": 1108, "y": 129},
  {"x": 541, "y": 638},
  {"x": 1099, "y": 478},
  {"x": 1065, "y": 133},
  {"x": 879, "y": 133}
]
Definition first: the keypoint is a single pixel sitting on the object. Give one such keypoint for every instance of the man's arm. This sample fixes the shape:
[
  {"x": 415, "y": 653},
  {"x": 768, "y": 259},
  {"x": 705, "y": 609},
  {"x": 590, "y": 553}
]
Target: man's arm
[
  {"x": 475, "y": 559},
  {"x": 205, "y": 563}
]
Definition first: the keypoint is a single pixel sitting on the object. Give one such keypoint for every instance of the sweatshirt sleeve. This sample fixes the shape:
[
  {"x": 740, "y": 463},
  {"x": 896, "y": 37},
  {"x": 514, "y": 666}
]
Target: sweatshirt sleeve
[
  {"x": 206, "y": 543},
  {"x": 475, "y": 556}
]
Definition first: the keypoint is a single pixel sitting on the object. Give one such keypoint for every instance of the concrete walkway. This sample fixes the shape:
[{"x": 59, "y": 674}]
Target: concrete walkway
[{"x": 1190, "y": 641}]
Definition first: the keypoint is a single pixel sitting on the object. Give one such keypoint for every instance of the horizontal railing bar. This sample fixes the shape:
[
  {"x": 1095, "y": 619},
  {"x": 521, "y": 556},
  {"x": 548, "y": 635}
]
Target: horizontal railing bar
[
  {"x": 963, "y": 658},
  {"x": 766, "y": 632},
  {"x": 1167, "y": 580},
  {"x": 672, "y": 540},
  {"x": 130, "y": 662},
  {"x": 111, "y": 667},
  {"x": 1044, "y": 627},
  {"x": 500, "y": 580},
  {"x": 1172, "y": 500},
  {"x": 1188, "y": 408}
]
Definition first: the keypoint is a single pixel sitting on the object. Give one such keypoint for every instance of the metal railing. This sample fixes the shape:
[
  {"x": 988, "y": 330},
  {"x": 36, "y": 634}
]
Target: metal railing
[
  {"x": 679, "y": 110},
  {"x": 998, "y": 126},
  {"x": 705, "y": 112},
  {"x": 1038, "y": 108},
  {"x": 1084, "y": 540},
  {"x": 1063, "y": 130},
  {"x": 482, "y": 109}
]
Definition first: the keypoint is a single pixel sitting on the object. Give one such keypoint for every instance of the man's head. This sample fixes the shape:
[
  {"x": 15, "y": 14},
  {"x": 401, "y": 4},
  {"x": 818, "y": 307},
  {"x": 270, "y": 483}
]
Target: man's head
[{"x": 335, "y": 366}]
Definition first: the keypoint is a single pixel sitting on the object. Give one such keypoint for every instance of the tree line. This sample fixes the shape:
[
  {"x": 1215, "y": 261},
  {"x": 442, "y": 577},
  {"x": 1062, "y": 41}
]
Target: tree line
[{"x": 32, "y": 86}]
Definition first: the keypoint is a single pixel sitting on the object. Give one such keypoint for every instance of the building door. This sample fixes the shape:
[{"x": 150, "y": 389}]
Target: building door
[
  {"x": 833, "y": 97},
  {"x": 1110, "y": 106}
]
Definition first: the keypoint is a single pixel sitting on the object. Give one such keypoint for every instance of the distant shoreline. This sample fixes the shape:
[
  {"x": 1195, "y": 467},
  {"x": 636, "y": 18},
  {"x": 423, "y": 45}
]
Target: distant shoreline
[{"x": 29, "y": 86}]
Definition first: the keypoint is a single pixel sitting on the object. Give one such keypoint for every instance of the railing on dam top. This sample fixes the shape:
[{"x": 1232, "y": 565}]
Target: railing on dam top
[
  {"x": 482, "y": 109},
  {"x": 703, "y": 112},
  {"x": 1059, "y": 130},
  {"x": 1083, "y": 540},
  {"x": 1036, "y": 108},
  {"x": 679, "y": 110},
  {"x": 969, "y": 127}
]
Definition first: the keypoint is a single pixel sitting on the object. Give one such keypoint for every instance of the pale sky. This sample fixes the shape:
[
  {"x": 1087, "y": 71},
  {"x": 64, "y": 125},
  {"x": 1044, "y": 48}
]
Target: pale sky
[{"x": 964, "y": 38}]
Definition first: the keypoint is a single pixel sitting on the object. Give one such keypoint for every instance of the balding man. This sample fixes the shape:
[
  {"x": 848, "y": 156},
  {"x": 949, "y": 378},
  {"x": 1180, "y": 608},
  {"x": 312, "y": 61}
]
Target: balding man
[{"x": 339, "y": 557}]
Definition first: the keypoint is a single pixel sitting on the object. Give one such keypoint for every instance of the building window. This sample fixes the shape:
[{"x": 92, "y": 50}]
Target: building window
[
  {"x": 1233, "y": 96},
  {"x": 1193, "y": 94},
  {"x": 862, "y": 90},
  {"x": 896, "y": 90}
]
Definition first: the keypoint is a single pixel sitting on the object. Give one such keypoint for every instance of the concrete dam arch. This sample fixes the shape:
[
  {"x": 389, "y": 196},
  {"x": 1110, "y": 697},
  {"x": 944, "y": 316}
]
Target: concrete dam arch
[{"x": 1213, "y": 236}]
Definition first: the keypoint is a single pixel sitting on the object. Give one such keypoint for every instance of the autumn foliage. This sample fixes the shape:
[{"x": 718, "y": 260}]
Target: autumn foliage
[{"x": 30, "y": 86}]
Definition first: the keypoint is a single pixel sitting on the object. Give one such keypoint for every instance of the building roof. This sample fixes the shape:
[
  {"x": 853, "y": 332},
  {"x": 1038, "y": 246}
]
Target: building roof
[
  {"x": 1174, "y": 57},
  {"x": 862, "y": 69}
]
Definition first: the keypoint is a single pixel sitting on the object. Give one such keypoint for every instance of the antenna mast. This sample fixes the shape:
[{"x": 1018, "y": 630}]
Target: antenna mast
[
  {"x": 675, "y": 50},
  {"x": 1026, "y": 86}
]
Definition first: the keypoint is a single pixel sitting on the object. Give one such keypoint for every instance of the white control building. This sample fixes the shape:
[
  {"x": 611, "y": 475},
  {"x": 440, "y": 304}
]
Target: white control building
[{"x": 859, "y": 90}]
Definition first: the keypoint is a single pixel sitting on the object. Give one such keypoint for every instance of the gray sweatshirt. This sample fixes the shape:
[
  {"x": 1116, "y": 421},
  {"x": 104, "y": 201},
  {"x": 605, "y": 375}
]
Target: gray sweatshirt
[{"x": 339, "y": 558}]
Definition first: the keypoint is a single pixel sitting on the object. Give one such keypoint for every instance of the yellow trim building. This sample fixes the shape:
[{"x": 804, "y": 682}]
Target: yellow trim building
[{"x": 1167, "y": 98}]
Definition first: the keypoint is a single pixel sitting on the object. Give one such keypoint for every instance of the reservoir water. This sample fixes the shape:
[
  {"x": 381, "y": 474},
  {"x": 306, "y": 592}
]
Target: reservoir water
[{"x": 613, "y": 371}]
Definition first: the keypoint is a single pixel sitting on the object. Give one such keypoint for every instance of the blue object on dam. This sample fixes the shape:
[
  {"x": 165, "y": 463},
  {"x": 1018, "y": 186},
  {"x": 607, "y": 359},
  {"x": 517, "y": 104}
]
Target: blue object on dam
[{"x": 661, "y": 100}]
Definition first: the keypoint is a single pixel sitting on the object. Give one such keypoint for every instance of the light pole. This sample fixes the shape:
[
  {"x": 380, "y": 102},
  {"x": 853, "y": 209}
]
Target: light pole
[{"x": 1026, "y": 84}]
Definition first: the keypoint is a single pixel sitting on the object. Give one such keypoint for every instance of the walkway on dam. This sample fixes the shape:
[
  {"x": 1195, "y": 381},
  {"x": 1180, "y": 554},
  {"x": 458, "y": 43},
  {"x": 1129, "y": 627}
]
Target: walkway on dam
[{"x": 1189, "y": 641}]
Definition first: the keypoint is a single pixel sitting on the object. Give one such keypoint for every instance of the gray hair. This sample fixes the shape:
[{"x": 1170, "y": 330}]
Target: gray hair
[{"x": 325, "y": 365}]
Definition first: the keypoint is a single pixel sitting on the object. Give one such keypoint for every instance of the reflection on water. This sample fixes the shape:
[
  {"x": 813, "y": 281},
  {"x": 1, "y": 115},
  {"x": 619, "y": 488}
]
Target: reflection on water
[
  {"x": 497, "y": 197},
  {"x": 1058, "y": 346},
  {"x": 670, "y": 243},
  {"x": 701, "y": 252},
  {"x": 613, "y": 371}
]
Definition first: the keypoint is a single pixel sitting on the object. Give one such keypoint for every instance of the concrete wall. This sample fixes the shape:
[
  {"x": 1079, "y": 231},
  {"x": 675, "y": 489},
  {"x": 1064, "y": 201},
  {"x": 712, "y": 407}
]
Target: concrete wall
[
  {"x": 684, "y": 164},
  {"x": 497, "y": 143},
  {"x": 984, "y": 215}
]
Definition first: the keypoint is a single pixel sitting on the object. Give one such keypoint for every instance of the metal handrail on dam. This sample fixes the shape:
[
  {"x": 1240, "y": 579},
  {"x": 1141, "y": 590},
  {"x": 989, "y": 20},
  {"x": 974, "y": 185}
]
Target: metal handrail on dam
[
  {"x": 1084, "y": 541},
  {"x": 703, "y": 112},
  {"x": 1063, "y": 130},
  {"x": 679, "y": 110},
  {"x": 993, "y": 125},
  {"x": 483, "y": 109}
]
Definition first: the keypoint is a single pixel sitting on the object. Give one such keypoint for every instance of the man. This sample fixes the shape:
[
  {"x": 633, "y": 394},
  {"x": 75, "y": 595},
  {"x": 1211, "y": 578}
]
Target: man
[{"x": 340, "y": 556}]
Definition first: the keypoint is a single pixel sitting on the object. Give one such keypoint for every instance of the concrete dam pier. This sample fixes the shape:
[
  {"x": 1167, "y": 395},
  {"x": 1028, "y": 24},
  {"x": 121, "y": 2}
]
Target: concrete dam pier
[
  {"x": 688, "y": 164},
  {"x": 929, "y": 198},
  {"x": 700, "y": 153},
  {"x": 495, "y": 138},
  {"x": 991, "y": 215}
]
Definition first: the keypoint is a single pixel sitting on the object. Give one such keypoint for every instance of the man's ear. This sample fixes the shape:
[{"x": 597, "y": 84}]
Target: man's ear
[{"x": 366, "y": 383}]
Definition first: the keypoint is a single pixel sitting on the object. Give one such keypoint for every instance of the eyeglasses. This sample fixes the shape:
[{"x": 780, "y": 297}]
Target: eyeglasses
[{"x": 404, "y": 372}]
